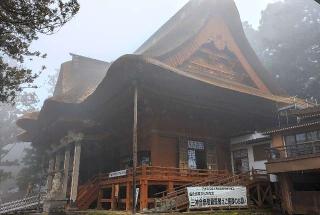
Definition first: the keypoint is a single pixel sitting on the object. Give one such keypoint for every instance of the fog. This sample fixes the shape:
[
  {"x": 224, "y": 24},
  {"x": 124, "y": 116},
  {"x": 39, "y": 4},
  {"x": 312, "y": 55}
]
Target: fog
[{"x": 106, "y": 30}]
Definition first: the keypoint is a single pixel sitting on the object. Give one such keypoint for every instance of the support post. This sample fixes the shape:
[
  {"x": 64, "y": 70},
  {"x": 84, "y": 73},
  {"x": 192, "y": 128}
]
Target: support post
[
  {"x": 286, "y": 187},
  {"x": 55, "y": 200},
  {"x": 57, "y": 163},
  {"x": 100, "y": 196},
  {"x": 143, "y": 195},
  {"x": 113, "y": 198},
  {"x": 66, "y": 171},
  {"x": 50, "y": 174},
  {"x": 128, "y": 196},
  {"x": 259, "y": 195},
  {"x": 170, "y": 187},
  {"x": 134, "y": 147},
  {"x": 75, "y": 173}
]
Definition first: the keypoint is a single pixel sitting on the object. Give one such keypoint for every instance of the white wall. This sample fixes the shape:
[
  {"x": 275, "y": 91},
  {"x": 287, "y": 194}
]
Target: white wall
[{"x": 252, "y": 164}]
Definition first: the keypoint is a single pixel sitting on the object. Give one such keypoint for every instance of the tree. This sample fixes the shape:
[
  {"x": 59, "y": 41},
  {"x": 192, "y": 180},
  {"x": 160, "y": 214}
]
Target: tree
[
  {"x": 26, "y": 102},
  {"x": 33, "y": 160},
  {"x": 287, "y": 42},
  {"x": 33, "y": 170},
  {"x": 20, "y": 23}
]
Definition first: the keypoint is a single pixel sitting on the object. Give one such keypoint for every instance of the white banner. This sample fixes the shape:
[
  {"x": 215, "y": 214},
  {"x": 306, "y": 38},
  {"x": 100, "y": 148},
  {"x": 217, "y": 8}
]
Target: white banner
[
  {"x": 118, "y": 173},
  {"x": 137, "y": 195},
  {"x": 217, "y": 196},
  {"x": 195, "y": 145}
]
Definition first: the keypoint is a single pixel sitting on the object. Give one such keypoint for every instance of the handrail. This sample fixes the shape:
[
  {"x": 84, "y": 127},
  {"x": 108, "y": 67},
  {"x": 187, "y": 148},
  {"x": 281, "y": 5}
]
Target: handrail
[
  {"x": 183, "y": 190},
  {"x": 294, "y": 150},
  {"x": 179, "y": 199},
  {"x": 22, "y": 204},
  {"x": 157, "y": 170},
  {"x": 219, "y": 172},
  {"x": 234, "y": 178}
]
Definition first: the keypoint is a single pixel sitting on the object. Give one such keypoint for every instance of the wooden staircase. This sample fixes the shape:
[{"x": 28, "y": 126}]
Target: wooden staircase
[
  {"x": 178, "y": 200},
  {"x": 88, "y": 193}
]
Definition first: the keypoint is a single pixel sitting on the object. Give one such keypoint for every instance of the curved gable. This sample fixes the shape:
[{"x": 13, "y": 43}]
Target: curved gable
[{"x": 203, "y": 21}]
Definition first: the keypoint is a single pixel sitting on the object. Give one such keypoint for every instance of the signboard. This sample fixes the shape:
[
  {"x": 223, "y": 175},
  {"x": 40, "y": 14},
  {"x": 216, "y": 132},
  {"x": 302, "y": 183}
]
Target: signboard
[
  {"x": 217, "y": 196},
  {"x": 137, "y": 195},
  {"x": 118, "y": 173},
  {"x": 192, "y": 161},
  {"x": 195, "y": 145}
]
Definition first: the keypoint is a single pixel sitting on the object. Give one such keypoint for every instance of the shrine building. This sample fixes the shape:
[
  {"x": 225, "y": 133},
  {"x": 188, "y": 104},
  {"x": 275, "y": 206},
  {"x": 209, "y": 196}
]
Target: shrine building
[{"x": 174, "y": 111}]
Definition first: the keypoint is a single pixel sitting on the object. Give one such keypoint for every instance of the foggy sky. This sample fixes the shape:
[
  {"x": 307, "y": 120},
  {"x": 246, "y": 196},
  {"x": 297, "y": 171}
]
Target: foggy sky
[{"x": 107, "y": 29}]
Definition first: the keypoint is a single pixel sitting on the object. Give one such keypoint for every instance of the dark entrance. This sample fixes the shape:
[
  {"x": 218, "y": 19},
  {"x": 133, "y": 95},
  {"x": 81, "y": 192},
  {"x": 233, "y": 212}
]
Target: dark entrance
[{"x": 196, "y": 155}]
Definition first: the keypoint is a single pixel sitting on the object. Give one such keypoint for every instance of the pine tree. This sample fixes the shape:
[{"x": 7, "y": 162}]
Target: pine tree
[{"x": 20, "y": 23}]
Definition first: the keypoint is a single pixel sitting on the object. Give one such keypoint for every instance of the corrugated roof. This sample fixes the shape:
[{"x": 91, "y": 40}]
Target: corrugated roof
[
  {"x": 292, "y": 127},
  {"x": 249, "y": 138}
]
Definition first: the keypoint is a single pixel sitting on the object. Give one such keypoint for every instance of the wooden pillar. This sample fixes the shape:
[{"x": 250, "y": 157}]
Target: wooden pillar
[
  {"x": 75, "y": 173},
  {"x": 100, "y": 196},
  {"x": 50, "y": 174},
  {"x": 285, "y": 186},
  {"x": 66, "y": 171},
  {"x": 134, "y": 147},
  {"x": 259, "y": 195},
  {"x": 113, "y": 199},
  {"x": 143, "y": 195},
  {"x": 128, "y": 196},
  {"x": 170, "y": 187},
  {"x": 57, "y": 163}
]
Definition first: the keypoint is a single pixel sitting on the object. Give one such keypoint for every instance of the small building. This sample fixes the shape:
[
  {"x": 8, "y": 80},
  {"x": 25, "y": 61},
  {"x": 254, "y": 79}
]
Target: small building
[
  {"x": 249, "y": 152},
  {"x": 295, "y": 158},
  {"x": 169, "y": 111}
]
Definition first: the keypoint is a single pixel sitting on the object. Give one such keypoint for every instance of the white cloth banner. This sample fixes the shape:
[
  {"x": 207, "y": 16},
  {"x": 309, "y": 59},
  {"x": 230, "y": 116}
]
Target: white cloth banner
[
  {"x": 118, "y": 173},
  {"x": 217, "y": 196}
]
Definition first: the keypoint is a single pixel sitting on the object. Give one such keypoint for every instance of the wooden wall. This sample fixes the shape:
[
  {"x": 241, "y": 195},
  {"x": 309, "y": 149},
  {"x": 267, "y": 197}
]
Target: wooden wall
[
  {"x": 277, "y": 140},
  {"x": 172, "y": 151},
  {"x": 166, "y": 127},
  {"x": 164, "y": 151}
]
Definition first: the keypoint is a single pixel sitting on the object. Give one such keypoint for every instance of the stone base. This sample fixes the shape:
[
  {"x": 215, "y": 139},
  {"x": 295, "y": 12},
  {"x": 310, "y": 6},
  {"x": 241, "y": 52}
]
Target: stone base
[{"x": 54, "y": 206}]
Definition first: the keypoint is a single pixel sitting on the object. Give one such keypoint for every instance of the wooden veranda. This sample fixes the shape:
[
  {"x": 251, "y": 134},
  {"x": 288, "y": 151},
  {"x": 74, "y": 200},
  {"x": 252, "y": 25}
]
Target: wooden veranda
[
  {"x": 107, "y": 192},
  {"x": 160, "y": 185}
]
